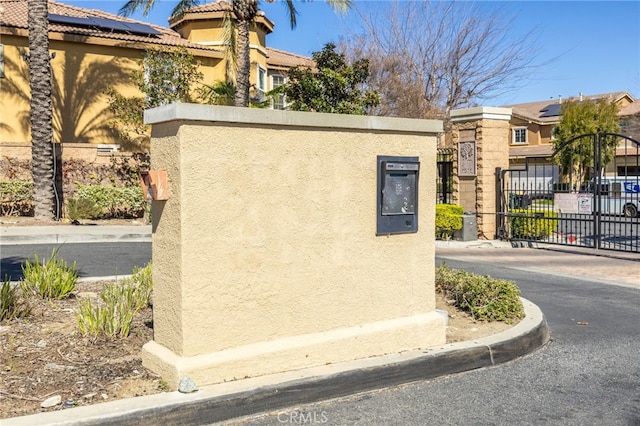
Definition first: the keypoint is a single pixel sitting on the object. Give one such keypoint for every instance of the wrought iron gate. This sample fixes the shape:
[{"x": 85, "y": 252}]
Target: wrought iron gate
[
  {"x": 594, "y": 204},
  {"x": 444, "y": 179}
]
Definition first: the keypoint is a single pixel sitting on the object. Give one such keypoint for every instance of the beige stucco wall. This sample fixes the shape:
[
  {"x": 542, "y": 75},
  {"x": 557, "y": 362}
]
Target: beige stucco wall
[{"x": 265, "y": 257}]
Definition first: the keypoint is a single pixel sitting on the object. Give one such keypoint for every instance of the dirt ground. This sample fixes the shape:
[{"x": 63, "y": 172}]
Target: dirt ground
[{"x": 43, "y": 356}]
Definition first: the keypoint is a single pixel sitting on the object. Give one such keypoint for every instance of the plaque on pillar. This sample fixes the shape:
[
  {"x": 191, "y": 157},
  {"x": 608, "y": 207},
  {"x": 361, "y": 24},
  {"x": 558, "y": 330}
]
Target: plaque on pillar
[{"x": 467, "y": 159}]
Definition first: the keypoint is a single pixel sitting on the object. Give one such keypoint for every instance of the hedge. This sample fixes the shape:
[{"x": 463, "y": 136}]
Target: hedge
[
  {"x": 16, "y": 199},
  {"x": 484, "y": 297},
  {"x": 113, "y": 201},
  {"x": 448, "y": 220},
  {"x": 532, "y": 224}
]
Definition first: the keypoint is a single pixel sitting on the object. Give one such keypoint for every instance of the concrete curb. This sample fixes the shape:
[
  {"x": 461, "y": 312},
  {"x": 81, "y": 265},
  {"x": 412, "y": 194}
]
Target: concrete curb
[
  {"x": 275, "y": 392},
  {"x": 473, "y": 244},
  {"x": 14, "y": 235}
]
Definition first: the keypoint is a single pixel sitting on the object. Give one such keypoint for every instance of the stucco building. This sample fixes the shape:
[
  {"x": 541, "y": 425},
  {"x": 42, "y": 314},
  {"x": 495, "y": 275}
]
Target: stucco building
[
  {"x": 93, "y": 50},
  {"x": 532, "y": 123}
]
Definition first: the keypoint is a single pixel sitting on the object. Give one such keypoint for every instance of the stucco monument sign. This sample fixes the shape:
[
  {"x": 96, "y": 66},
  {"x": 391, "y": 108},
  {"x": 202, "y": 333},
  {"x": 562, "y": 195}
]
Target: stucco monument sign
[{"x": 267, "y": 255}]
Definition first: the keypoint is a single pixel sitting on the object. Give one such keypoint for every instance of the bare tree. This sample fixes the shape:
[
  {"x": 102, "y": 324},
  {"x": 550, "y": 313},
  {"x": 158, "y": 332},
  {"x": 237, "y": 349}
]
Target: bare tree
[{"x": 427, "y": 58}]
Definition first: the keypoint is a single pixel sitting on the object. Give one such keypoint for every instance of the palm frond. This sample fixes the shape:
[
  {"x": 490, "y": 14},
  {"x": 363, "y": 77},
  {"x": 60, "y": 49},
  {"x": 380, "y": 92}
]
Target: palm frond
[
  {"x": 293, "y": 13},
  {"x": 220, "y": 93},
  {"x": 340, "y": 6},
  {"x": 132, "y": 6},
  {"x": 182, "y": 7}
]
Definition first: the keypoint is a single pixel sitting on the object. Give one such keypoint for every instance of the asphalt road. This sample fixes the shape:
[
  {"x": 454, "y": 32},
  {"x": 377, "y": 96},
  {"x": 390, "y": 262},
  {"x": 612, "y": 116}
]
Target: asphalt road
[
  {"x": 588, "y": 375},
  {"x": 92, "y": 259},
  {"x": 616, "y": 232}
]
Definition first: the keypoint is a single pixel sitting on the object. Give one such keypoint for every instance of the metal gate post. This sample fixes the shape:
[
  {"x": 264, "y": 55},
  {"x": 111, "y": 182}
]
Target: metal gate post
[
  {"x": 597, "y": 195},
  {"x": 500, "y": 211}
]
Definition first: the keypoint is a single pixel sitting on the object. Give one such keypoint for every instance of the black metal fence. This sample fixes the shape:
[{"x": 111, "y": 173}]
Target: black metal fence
[
  {"x": 591, "y": 204},
  {"x": 444, "y": 179}
]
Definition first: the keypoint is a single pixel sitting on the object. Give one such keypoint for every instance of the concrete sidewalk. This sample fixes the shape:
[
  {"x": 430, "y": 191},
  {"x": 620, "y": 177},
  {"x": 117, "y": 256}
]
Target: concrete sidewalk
[
  {"x": 605, "y": 266},
  {"x": 12, "y": 235}
]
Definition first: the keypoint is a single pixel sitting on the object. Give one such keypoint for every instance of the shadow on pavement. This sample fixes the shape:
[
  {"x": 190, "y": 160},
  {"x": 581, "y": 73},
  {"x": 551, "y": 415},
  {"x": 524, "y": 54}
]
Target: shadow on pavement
[{"x": 11, "y": 268}]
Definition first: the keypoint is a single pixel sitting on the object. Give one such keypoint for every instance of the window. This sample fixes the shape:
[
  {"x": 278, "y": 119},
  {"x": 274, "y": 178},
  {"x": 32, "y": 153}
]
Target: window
[
  {"x": 262, "y": 79},
  {"x": 278, "y": 100},
  {"x": 520, "y": 135},
  {"x": 624, "y": 126},
  {"x": 628, "y": 170}
]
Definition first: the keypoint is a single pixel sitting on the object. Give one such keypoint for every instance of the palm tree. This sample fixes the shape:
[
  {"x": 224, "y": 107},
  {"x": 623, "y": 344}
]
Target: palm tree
[
  {"x": 245, "y": 12},
  {"x": 42, "y": 161}
]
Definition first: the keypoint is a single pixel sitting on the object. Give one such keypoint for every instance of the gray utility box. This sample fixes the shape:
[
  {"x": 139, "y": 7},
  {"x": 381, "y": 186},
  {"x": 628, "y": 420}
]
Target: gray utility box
[{"x": 469, "y": 231}]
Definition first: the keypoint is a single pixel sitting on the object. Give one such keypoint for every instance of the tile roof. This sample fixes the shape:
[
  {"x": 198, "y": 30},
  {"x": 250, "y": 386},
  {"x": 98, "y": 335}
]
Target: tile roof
[
  {"x": 14, "y": 15},
  {"x": 281, "y": 59},
  {"x": 535, "y": 111},
  {"x": 215, "y": 7},
  {"x": 631, "y": 109}
]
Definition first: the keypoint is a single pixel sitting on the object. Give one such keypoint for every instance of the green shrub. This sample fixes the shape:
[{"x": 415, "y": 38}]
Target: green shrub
[
  {"x": 113, "y": 317},
  {"x": 532, "y": 224},
  {"x": 12, "y": 304},
  {"x": 141, "y": 278},
  {"x": 16, "y": 198},
  {"x": 113, "y": 314},
  {"x": 82, "y": 208},
  {"x": 448, "y": 220},
  {"x": 485, "y": 298},
  {"x": 115, "y": 201},
  {"x": 52, "y": 279}
]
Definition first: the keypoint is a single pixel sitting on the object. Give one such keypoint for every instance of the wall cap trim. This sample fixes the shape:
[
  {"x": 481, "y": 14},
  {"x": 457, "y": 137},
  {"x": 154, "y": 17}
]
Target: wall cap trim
[
  {"x": 481, "y": 113},
  {"x": 215, "y": 113}
]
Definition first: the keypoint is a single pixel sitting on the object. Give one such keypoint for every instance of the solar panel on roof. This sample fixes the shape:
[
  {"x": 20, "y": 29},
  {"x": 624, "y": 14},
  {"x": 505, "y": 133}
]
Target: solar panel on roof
[
  {"x": 72, "y": 20},
  {"x": 110, "y": 24},
  {"x": 552, "y": 110},
  {"x": 128, "y": 27},
  {"x": 105, "y": 24},
  {"x": 142, "y": 29}
]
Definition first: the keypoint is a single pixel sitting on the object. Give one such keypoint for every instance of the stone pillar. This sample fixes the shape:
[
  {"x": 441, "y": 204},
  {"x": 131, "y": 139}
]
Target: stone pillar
[
  {"x": 265, "y": 254},
  {"x": 488, "y": 129}
]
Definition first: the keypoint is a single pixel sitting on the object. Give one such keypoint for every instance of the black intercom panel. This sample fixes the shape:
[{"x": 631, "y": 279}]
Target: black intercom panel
[{"x": 397, "y": 209}]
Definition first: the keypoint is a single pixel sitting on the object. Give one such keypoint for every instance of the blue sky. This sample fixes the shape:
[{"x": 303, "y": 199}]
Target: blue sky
[{"x": 588, "y": 46}]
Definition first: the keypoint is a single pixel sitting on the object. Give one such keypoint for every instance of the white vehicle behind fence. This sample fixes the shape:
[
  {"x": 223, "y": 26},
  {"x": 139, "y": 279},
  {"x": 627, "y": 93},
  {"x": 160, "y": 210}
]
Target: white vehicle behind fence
[{"x": 619, "y": 196}]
